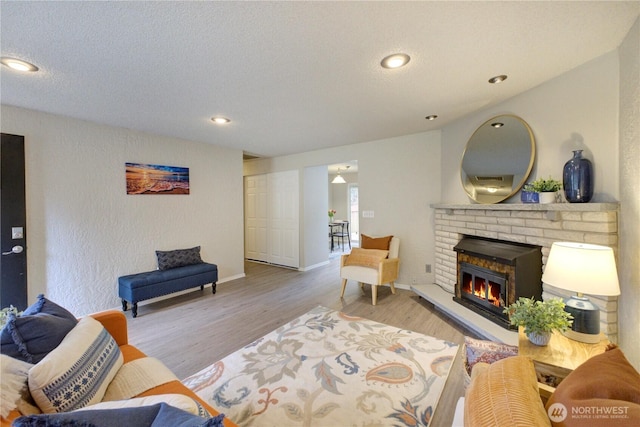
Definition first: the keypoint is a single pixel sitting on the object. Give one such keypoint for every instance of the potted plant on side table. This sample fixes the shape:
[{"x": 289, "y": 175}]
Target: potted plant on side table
[{"x": 539, "y": 318}]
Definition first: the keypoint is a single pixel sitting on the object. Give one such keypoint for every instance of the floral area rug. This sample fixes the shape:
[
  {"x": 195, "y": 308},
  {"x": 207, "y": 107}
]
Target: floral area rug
[{"x": 326, "y": 368}]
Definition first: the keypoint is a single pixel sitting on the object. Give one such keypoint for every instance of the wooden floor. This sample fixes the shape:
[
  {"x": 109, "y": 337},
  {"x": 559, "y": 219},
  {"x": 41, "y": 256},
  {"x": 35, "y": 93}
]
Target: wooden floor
[{"x": 190, "y": 332}]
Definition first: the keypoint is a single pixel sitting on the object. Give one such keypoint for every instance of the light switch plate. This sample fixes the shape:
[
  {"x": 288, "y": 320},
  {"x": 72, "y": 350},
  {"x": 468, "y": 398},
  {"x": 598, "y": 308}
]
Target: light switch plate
[{"x": 17, "y": 233}]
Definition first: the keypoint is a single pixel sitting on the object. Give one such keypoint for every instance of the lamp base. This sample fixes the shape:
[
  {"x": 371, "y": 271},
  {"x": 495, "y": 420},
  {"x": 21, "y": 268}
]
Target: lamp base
[
  {"x": 586, "y": 320},
  {"x": 582, "y": 337}
]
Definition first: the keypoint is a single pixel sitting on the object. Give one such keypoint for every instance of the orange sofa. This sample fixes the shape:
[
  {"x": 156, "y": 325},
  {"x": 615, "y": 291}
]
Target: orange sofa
[{"x": 115, "y": 323}]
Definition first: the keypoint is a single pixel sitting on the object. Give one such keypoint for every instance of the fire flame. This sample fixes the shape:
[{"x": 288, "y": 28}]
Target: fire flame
[{"x": 491, "y": 295}]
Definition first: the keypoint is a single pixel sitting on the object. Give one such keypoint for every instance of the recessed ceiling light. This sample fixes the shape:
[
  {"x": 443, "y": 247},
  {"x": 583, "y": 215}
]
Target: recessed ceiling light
[
  {"x": 17, "y": 64},
  {"x": 396, "y": 60},
  {"x": 498, "y": 79},
  {"x": 431, "y": 117},
  {"x": 497, "y": 125},
  {"x": 220, "y": 120}
]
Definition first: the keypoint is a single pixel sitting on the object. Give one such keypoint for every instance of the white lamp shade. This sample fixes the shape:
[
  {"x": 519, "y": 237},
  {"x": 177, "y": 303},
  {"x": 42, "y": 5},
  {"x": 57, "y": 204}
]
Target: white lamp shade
[{"x": 584, "y": 268}]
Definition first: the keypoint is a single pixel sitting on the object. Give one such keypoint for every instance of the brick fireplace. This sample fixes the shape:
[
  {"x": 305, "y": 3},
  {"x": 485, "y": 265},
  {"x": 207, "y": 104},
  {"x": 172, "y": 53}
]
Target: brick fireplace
[{"x": 532, "y": 224}]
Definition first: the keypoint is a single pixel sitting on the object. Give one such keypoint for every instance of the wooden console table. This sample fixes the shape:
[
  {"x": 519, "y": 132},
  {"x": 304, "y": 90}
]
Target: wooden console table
[{"x": 556, "y": 360}]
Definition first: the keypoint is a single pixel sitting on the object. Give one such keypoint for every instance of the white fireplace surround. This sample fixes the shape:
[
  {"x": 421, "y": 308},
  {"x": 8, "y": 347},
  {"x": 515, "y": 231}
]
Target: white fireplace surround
[{"x": 535, "y": 224}]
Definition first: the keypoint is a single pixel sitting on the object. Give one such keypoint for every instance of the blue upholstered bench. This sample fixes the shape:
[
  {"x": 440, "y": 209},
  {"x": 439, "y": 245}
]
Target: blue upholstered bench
[{"x": 142, "y": 286}]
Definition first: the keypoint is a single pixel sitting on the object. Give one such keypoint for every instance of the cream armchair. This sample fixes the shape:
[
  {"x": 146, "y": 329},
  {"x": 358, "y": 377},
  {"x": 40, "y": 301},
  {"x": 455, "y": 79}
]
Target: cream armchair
[{"x": 375, "y": 272}]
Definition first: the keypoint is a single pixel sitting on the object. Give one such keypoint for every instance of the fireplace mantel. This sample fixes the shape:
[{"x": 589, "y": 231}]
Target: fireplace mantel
[
  {"x": 535, "y": 207},
  {"x": 535, "y": 224}
]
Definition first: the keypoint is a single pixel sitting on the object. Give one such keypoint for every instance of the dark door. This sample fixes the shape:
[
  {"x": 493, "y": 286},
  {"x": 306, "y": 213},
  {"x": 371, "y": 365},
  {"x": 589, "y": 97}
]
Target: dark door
[{"x": 13, "y": 219}]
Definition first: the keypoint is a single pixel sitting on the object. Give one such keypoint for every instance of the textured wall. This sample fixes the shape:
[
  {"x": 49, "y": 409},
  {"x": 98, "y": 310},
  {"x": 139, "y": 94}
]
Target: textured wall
[
  {"x": 84, "y": 230},
  {"x": 629, "y": 259}
]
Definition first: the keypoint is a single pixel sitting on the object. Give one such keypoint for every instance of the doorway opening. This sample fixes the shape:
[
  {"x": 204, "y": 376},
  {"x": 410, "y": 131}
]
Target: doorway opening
[{"x": 344, "y": 198}]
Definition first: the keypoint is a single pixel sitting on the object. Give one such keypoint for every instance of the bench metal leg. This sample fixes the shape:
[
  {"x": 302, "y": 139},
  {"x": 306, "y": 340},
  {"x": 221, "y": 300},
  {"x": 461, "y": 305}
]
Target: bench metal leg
[
  {"x": 124, "y": 305},
  {"x": 202, "y": 287},
  {"x": 134, "y": 309},
  {"x": 213, "y": 288}
]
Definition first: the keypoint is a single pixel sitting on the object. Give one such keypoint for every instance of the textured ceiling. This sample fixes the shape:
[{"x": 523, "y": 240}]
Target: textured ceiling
[{"x": 292, "y": 76}]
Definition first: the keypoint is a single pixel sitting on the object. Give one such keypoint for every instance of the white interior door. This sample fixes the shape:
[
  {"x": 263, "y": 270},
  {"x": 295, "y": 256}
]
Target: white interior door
[
  {"x": 272, "y": 218},
  {"x": 256, "y": 218},
  {"x": 284, "y": 228}
]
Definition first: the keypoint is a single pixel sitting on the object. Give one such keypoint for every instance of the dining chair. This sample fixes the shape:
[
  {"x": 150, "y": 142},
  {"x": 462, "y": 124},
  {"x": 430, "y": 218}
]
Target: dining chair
[{"x": 341, "y": 234}]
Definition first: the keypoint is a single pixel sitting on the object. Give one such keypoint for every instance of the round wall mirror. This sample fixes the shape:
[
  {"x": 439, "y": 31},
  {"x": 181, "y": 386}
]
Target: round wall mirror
[{"x": 498, "y": 159}]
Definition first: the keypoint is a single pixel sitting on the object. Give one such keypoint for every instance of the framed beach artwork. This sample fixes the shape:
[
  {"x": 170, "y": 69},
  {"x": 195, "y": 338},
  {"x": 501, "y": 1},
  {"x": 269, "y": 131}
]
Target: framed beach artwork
[{"x": 156, "y": 179}]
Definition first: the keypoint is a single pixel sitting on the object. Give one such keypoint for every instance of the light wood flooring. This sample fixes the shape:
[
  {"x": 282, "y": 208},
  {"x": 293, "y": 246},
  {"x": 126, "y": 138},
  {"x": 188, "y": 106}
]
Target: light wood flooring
[{"x": 190, "y": 332}]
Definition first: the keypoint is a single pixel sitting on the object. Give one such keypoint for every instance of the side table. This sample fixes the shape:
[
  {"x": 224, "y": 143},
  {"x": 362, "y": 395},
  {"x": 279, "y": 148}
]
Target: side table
[{"x": 556, "y": 360}]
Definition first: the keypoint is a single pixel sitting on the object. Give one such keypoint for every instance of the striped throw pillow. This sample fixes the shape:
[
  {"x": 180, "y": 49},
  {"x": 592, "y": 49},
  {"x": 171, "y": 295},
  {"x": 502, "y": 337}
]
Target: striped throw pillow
[{"x": 78, "y": 372}]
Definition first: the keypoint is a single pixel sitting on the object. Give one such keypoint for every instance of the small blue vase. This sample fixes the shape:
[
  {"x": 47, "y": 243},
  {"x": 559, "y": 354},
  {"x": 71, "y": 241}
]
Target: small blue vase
[
  {"x": 529, "y": 197},
  {"x": 577, "y": 179}
]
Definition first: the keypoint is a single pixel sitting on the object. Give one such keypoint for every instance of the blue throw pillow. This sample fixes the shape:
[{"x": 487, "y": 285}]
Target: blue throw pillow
[
  {"x": 159, "y": 415},
  {"x": 174, "y": 417},
  {"x": 40, "y": 329},
  {"x": 178, "y": 258}
]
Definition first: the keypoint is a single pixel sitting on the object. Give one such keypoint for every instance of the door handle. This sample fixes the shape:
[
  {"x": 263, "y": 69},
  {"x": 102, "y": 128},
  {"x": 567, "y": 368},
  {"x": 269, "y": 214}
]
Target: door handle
[{"x": 14, "y": 250}]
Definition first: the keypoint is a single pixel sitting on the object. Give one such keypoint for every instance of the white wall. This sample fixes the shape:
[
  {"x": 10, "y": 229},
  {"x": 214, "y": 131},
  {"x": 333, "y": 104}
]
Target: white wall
[
  {"x": 629, "y": 245},
  {"x": 84, "y": 231},
  {"x": 314, "y": 194},
  {"x": 398, "y": 179},
  {"x": 577, "y": 110}
]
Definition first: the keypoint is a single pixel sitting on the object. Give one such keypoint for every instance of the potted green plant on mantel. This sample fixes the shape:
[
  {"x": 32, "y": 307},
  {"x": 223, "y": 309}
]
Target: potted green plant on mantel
[
  {"x": 539, "y": 318},
  {"x": 546, "y": 189}
]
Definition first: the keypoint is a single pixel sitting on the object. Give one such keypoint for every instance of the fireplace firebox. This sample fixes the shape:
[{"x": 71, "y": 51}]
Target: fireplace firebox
[
  {"x": 492, "y": 274},
  {"x": 484, "y": 287}
]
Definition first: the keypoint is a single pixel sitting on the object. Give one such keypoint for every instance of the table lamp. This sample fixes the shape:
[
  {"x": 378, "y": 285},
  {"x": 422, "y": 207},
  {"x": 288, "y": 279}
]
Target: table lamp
[{"x": 585, "y": 269}]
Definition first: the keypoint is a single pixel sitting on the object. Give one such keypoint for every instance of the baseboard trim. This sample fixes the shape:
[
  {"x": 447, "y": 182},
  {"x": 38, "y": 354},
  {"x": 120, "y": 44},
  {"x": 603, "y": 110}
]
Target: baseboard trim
[
  {"x": 311, "y": 267},
  {"x": 230, "y": 278}
]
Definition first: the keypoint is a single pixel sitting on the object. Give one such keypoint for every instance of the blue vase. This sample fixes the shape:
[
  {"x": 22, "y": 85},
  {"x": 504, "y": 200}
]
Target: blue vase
[
  {"x": 577, "y": 179},
  {"x": 529, "y": 197}
]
